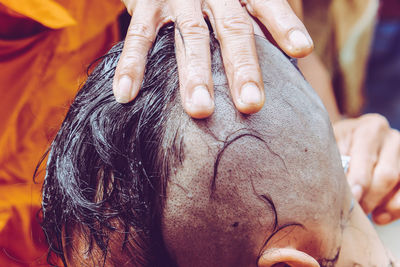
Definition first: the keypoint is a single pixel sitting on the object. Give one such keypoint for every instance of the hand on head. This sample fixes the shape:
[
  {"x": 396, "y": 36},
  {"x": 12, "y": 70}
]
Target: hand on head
[{"x": 231, "y": 23}]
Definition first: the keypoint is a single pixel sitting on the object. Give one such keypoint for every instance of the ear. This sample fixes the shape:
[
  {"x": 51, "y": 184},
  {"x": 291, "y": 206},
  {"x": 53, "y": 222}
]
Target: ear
[{"x": 286, "y": 257}]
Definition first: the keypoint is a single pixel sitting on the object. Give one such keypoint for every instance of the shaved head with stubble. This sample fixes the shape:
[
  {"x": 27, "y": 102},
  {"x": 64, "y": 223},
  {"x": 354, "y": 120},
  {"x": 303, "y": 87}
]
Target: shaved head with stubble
[
  {"x": 266, "y": 173},
  {"x": 158, "y": 188}
]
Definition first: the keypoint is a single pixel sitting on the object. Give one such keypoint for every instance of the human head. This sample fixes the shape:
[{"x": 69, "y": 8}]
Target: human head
[{"x": 143, "y": 184}]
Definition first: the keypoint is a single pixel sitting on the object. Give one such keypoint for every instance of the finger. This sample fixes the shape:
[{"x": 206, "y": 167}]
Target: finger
[
  {"x": 386, "y": 173},
  {"x": 390, "y": 210},
  {"x": 139, "y": 39},
  {"x": 130, "y": 6},
  {"x": 234, "y": 31},
  {"x": 192, "y": 39},
  {"x": 283, "y": 24},
  {"x": 367, "y": 140},
  {"x": 343, "y": 131}
]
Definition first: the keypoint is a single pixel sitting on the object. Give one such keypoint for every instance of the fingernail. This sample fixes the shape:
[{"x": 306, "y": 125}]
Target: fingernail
[
  {"x": 383, "y": 218},
  {"x": 123, "y": 92},
  {"x": 299, "y": 39},
  {"x": 201, "y": 98},
  {"x": 357, "y": 191},
  {"x": 250, "y": 94}
]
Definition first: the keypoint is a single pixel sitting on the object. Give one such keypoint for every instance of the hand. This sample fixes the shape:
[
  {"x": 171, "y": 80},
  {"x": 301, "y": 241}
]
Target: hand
[
  {"x": 234, "y": 30},
  {"x": 374, "y": 171}
]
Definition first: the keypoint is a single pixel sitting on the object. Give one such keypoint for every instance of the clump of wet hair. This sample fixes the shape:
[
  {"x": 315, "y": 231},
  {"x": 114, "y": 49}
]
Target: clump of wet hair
[{"x": 108, "y": 165}]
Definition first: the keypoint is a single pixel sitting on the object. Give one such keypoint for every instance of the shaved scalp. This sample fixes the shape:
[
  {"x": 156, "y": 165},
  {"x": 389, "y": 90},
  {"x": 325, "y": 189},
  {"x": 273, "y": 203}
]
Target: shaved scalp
[{"x": 241, "y": 167}]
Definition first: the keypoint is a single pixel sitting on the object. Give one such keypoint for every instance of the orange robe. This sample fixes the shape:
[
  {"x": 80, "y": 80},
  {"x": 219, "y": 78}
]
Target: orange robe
[{"x": 45, "y": 48}]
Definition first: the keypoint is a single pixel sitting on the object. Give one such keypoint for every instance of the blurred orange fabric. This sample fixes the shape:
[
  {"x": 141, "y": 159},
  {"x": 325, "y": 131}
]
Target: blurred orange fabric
[{"x": 45, "y": 48}]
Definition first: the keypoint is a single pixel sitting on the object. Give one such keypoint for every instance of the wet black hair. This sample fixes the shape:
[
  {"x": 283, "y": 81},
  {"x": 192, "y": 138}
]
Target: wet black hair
[{"x": 108, "y": 165}]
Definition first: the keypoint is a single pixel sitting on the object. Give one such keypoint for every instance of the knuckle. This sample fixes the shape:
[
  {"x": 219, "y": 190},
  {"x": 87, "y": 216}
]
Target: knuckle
[
  {"x": 367, "y": 159},
  {"x": 132, "y": 57},
  {"x": 238, "y": 24},
  {"x": 246, "y": 65},
  {"x": 188, "y": 26},
  {"x": 361, "y": 177},
  {"x": 387, "y": 176},
  {"x": 380, "y": 121},
  {"x": 361, "y": 181},
  {"x": 142, "y": 32}
]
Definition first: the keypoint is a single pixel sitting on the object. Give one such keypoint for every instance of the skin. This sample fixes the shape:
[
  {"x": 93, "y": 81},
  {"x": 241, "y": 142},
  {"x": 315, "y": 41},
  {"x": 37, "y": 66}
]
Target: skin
[
  {"x": 292, "y": 159},
  {"x": 230, "y": 20}
]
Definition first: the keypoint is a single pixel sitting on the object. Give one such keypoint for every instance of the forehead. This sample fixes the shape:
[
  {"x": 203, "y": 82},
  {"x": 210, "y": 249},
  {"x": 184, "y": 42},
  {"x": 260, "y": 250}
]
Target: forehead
[{"x": 235, "y": 165}]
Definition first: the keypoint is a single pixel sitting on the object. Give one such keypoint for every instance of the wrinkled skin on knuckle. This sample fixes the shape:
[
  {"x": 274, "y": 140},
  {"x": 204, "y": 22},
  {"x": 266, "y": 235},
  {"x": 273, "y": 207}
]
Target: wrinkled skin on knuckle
[
  {"x": 236, "y": 25},
  {"x": 196, "y": 65},
  {"x": 245, "y": 60},
  {"x": 243, "y": 65},
  {"x": 195, "y": 42},
  {"x": 141, "y": 32},
  {"x": 192, "y": 28}
]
